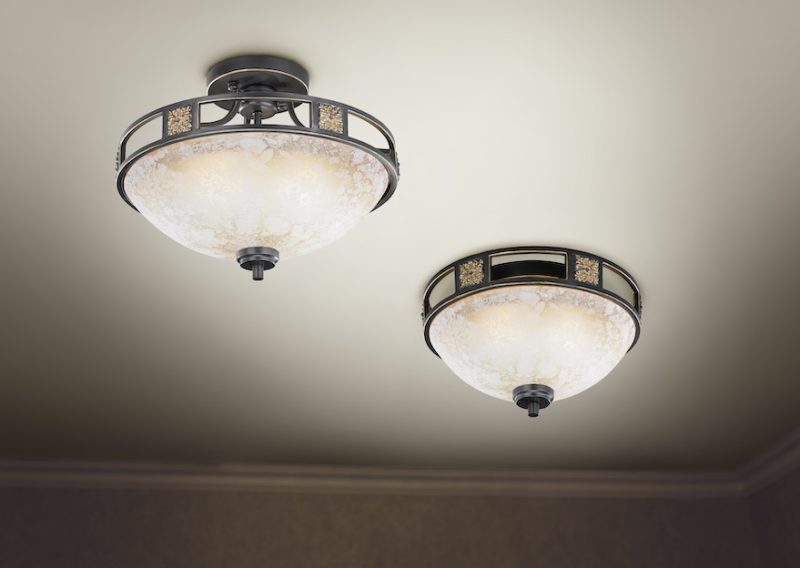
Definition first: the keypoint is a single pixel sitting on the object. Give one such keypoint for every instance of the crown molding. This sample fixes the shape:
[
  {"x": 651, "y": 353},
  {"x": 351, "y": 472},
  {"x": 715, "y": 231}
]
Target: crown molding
[
  {"x": 765, "y": 469},
  {"x": 324, "y": 479},
  {"x": 772, "y": 465}
]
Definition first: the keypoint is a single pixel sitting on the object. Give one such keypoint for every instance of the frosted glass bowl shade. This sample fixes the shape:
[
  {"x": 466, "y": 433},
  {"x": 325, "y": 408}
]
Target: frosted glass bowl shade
[
  {"x": 220, "y": 193},
  {"x": 501, "y": 338}
]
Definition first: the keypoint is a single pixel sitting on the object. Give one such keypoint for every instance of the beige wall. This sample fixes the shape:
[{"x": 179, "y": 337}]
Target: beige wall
[{"x": 122, "y": 528}]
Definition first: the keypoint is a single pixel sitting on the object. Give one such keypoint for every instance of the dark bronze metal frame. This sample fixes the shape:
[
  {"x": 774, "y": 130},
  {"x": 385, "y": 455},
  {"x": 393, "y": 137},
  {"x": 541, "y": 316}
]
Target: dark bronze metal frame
[
  {"x": 254, "y": 90},
  {"x": 526, "y": 272},
  {"x": 284, "y": 102}
]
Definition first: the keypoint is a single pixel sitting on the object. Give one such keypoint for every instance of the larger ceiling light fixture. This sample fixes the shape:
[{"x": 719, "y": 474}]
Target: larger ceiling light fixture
[
  {"x": 258, "y": 168},
  {"x": 532, "y": 324}
]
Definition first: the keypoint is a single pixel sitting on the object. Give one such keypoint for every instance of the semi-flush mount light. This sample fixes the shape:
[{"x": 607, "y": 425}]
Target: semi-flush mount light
[
  {"x": 281, "y": 173},
  {"x": 532, "y": 324}
]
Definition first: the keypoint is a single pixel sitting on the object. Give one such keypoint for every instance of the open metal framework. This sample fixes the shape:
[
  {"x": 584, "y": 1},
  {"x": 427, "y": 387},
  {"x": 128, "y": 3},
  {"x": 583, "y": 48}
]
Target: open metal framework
[
  {"x": 257, "y": 93},
  {"x": 185, "y": 120},
  {"x": 525, "y": 265}
]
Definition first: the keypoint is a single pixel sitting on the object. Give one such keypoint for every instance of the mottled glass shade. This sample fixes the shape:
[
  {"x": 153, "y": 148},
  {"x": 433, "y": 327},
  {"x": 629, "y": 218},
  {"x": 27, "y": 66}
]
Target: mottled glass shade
[
  {"x": 501, "y": 338},
  {"x": 221, "y": 193}
]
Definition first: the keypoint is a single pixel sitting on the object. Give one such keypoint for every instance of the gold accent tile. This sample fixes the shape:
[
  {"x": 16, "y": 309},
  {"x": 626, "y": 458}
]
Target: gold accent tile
[
  {"x": 587, "y": 270},
  {"x": 470, "y": 273},
  {"x": 331, "y": 118},
  {"x": 179, "y": 120}
]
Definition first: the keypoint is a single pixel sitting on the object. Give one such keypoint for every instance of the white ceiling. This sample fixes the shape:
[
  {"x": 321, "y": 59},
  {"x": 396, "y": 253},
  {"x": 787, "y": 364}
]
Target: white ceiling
[{"x": 663, "y": 135}]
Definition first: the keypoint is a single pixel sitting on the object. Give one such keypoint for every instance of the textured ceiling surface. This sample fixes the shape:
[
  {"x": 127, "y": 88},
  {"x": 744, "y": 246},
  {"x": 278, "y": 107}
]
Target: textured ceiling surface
[{"x": 662, "y": 135}]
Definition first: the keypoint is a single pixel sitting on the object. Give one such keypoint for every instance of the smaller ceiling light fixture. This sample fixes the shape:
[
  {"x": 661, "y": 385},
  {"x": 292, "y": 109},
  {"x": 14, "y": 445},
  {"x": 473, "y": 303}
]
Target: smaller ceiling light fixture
[
  {"x": 258, "y": 169},
  {"x": 532, "y": 324}
]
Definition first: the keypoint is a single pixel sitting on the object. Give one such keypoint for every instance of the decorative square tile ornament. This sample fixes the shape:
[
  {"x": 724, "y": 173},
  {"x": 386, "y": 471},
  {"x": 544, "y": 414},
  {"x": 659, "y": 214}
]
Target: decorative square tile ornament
[
  {"x": 179, "y": 120},
  {"x": 470, "y": 273},
  {"x": 331, "y": 118},
  {"x": 587, "y": 270}
]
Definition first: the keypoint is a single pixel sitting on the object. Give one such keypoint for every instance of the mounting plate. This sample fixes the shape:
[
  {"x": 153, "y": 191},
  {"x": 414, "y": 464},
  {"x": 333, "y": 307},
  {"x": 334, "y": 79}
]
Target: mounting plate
[{"x": 256, "y": 73}]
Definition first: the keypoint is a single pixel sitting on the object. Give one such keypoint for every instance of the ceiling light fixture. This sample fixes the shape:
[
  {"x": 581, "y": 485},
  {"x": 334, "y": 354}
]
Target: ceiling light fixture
[
  {"x": 280, "y": 173},
  {"x": 532, "y": 324}
]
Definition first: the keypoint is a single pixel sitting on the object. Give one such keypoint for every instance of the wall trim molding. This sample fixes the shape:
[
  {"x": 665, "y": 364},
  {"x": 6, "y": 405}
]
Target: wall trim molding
[
  {"x": 770, "y": 466},
  {"x": 324, "y": 479},
  {"x": 760, "y": 472}
]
